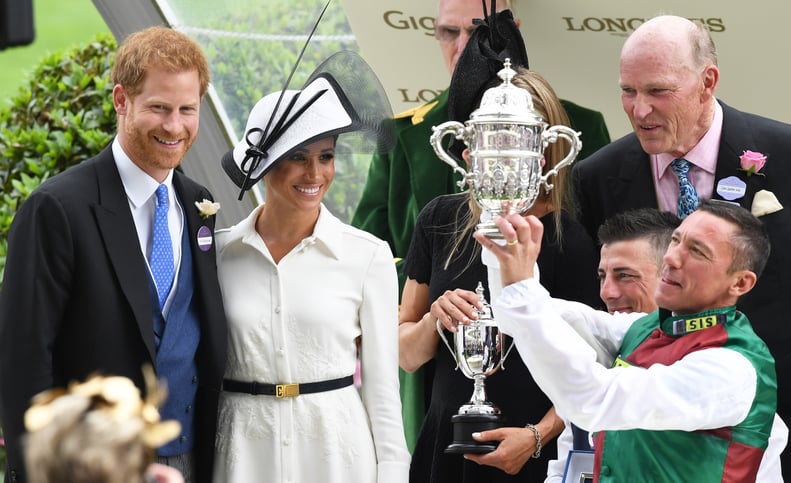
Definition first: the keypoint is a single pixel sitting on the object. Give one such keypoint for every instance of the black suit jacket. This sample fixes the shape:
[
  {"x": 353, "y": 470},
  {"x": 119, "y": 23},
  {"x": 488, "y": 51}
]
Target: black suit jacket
[
  {"x": 618, "y": 178},
  {"x": 75, "y": 298}
]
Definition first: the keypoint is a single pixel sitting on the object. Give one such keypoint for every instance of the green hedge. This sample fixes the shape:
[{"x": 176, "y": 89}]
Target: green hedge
[{"x": 63, "y": 116}]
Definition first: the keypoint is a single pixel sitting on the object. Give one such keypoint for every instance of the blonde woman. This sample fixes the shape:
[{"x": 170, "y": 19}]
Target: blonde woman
[{"x": 443, "y": 268}]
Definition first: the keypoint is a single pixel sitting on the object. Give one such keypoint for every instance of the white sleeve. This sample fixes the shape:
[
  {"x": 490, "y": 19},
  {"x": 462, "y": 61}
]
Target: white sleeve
[
  {"x": 600, "y": 336},
  {"x": 379, "y": 359},
  {"x": 565, "y": 443},
  {"x": 493, "y": 270},
  {"x": 706, "y": 389},
  {"x": 770, "y": 470}
]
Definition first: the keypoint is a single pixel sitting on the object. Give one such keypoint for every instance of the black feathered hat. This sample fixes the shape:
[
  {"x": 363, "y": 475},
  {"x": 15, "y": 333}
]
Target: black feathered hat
[{"x": 496, "y": 38}]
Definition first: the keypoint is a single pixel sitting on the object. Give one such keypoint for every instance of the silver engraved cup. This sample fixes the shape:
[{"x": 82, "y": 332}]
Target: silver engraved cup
[
  {"x": 478, "y": 349},
  {"x": 506, "y": 139}
]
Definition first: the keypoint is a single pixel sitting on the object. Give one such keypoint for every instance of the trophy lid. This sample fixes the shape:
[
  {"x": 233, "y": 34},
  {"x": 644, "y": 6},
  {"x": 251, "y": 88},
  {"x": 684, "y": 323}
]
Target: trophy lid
[{"x": 506, "y": 102}]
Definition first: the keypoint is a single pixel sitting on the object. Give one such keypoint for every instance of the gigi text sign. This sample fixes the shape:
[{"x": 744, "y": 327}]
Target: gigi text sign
[{"x": 575, "y": 44}]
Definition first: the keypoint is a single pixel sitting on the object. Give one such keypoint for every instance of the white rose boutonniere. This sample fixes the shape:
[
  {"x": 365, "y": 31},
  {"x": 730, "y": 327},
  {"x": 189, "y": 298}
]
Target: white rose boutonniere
[{"x": 207, "y": 208}]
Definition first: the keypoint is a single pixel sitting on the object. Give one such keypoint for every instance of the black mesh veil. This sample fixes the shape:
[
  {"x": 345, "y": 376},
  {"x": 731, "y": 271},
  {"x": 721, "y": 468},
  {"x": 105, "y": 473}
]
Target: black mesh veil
[{"x": 368, "y": 100}]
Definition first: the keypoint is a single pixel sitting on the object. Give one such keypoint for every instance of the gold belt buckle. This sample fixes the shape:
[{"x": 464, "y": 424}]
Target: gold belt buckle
[{"x": 286, "y": 390}]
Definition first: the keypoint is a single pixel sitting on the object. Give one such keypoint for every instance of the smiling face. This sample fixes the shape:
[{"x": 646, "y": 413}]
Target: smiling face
[
  {"x": 628, "y": 276},
  {"x": 300, "y": 181},
  {"x": 696, "y": 273},
  {"x": 158, "y": 125},
  {"x": 666, "y": 95}
]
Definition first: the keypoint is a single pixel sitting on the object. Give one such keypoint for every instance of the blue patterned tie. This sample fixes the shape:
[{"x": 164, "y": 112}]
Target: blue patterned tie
[
  {"x": 161, "y": 247},
  {"x": 687, "y": 196}
]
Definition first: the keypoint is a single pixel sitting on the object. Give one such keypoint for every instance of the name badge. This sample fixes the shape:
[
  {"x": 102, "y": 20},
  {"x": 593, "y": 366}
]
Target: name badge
[
  {"x": 205, "y": 238},
  {"x": 685, "y": 326},
  {"x": 731, "y": 188}
]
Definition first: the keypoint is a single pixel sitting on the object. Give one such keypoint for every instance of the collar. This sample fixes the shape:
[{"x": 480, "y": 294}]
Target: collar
[
  {"x": 704, "y": 154},
  {"x": 327, "y": 234},
  {"x": 682, "y": 324},
  {"x": 139, "y": 186}
]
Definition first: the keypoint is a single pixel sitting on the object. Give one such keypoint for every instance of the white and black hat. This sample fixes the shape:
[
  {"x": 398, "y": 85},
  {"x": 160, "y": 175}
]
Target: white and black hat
[{"x": 342, "y": 96}]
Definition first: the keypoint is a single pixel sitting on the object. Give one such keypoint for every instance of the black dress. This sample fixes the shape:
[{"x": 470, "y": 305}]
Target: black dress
[{"x": 570, "y": 274}]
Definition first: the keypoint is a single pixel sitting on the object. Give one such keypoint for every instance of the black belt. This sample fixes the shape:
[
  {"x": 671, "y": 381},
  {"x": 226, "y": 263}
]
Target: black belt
[{"x": 285, "y": 390}]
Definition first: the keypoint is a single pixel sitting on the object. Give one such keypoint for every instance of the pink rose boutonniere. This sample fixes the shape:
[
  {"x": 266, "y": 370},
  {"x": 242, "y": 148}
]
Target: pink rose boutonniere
[{"x": 752, "y": 162}]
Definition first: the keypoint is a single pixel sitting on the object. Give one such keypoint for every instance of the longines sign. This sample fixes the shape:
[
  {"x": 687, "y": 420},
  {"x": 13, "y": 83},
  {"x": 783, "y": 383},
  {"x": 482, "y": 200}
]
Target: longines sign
[
  {"x": 622, "y": 25},
  {"x": 576, "y": 44}
]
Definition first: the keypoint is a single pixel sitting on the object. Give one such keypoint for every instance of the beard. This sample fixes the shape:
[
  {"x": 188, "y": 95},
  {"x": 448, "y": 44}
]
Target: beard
[{"x": 145, "y": 150}]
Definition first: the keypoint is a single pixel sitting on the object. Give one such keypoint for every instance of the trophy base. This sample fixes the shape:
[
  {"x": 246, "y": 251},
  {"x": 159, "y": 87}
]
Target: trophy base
[
  {"x": 489, "y": 230},
  {"x": 466, "y": 424}
]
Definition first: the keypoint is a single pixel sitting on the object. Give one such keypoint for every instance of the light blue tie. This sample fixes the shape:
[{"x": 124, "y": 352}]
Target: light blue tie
[
  {"x": 687, "y": 196},
  {"x": 161, "y": 248}
]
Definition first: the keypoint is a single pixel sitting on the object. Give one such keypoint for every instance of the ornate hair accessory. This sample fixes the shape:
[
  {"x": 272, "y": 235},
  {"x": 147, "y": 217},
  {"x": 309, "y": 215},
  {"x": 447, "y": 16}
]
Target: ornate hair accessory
[{"x": 115, "y": 397}]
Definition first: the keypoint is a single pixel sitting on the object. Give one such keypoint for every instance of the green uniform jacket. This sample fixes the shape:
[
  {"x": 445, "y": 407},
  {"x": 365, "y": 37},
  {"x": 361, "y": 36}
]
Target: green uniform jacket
[
  {"x": 730, "y": 454},
  {"x": 401, "y": 182}
]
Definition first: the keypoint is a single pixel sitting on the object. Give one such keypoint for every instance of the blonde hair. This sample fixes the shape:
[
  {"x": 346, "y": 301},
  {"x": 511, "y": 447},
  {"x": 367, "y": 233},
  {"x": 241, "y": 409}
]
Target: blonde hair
[{"x": 547, "y": 105}]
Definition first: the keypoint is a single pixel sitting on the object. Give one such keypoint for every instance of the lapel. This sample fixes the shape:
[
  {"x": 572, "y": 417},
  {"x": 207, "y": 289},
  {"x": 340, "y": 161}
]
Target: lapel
[
  {"x": 118, "y": 231},
  {"x": 202, "y": 261},
  {"x": 735, "y": 139},
  {"x": 633, "y": 174}
]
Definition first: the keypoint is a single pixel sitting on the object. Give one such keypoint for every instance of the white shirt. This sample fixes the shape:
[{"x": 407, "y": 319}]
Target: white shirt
[{"x": 141, "y": 193}]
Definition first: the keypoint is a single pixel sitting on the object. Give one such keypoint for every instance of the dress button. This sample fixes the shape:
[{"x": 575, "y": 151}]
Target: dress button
[
  {"x": 188, "y": 409},
  {"x": 183, "y": 439},
  {"x": 277, "y": 309},
  {"x": 286, "y": 442},
  {"x": 194, "y": 379}
]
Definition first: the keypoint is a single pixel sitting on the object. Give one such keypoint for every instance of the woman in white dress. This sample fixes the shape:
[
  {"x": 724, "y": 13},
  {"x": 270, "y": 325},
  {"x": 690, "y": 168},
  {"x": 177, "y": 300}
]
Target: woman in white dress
[{"x": 305, "y": 296}]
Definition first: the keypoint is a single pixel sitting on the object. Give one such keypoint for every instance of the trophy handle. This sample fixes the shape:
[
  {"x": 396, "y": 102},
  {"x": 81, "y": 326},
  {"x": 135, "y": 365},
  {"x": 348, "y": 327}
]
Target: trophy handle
[
  {"x": 447, "y": 344},
  {"x": 459, "y": 132},
  {"x": 551, "y": 135}
]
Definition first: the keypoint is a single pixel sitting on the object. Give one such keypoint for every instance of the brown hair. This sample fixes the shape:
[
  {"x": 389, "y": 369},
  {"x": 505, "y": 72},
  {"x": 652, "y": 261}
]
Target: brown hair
[
  {"x": 750, "y": 243},
  {"x": 157, "y": 47}
]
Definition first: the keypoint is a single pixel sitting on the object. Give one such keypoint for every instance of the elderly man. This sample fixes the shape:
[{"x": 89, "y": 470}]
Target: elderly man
[
  {"x": 689, "y": 378},
  {"x": 668, "y": 77},
  {"x": 400, "y": 183}
]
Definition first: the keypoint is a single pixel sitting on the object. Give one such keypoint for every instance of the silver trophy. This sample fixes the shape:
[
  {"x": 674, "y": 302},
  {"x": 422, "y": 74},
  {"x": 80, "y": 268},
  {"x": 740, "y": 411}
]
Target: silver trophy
[
  {"x": 478, "y": 351},
  {"x": 506, "y": 139}
]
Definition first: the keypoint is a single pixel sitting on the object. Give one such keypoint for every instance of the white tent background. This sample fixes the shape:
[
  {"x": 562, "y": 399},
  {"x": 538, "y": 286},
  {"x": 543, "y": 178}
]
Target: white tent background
[{"x": 575, "y": 44}]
